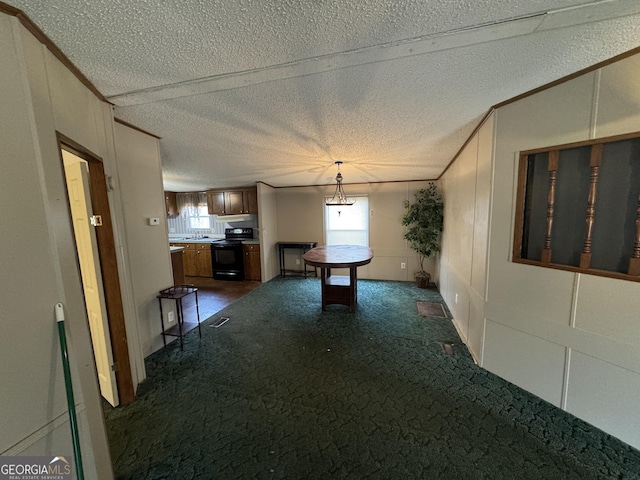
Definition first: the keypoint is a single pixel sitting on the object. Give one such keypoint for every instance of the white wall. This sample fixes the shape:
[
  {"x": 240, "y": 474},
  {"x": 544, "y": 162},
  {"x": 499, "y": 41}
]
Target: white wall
[
  {"x": 466, "y": 188},
  {"x": 268, "y": 231},
  {"x": 140, "y": 188},
  {"x": 300, "y": 219},
  {"x": 572, "y": 339},
  {"x": 38, "y": 97}
]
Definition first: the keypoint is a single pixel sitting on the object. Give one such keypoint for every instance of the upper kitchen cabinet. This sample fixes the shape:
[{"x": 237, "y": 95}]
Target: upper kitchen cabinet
[
  {"x": 171, "y": 204},
  {"x": 232, "y": 202},
  {"x": 241, "y": 201},
  {"x": 215, "y": 202}
]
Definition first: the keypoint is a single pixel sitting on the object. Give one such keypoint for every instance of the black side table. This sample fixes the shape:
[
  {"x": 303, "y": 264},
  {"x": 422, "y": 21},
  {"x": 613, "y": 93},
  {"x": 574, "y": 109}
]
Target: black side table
[{"x": 177, "y": 293}]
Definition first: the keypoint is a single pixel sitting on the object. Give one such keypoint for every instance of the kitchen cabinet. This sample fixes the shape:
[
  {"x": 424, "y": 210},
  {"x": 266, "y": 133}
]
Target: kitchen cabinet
[
  {"x": 251, "y": 262},
  {"x": 171, "y": 204},
  {"x": 235, "y": 201},
  {"x": 188, "y": 258},
  {"x": 177, "y": 267},
  {"x": 203, "y": 260},
  {"x": 196, "y": 259},
  {"x": 215, "y": 202}
]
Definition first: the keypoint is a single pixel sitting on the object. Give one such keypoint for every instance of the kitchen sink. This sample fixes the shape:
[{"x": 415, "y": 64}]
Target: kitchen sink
[{"x": 181, "y": 239}]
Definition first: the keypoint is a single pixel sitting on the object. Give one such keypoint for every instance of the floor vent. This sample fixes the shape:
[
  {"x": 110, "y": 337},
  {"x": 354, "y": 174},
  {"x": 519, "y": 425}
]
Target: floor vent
[
  {"x": 430, "y": 309},
  {"x": 218, "y": 323},
  {"x": 448, "y": 349}
]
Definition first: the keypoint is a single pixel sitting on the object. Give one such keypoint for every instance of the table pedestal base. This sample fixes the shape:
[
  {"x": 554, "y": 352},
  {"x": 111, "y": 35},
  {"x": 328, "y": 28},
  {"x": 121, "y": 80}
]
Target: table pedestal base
[{"x": 339, "y": 289}]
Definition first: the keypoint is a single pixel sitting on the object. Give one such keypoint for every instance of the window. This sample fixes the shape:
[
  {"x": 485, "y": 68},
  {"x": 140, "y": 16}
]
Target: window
[
  {"x": 193, "y": 208},
  {"x": 199, "y": 218},
  {"x": 578, "y": 207},
  {"x": 347, "y": 225}
]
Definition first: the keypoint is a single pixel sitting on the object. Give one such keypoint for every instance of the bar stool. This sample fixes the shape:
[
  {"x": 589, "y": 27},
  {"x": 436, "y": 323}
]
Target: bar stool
[{"x": 177, "y": 293}]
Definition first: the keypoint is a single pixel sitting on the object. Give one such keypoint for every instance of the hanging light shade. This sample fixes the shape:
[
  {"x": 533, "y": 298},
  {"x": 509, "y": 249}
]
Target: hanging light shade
[{"x": 339, "y": 197}]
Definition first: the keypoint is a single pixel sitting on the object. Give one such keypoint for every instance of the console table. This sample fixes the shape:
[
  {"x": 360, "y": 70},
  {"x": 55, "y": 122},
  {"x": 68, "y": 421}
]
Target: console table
[
  {"x": 302, "y": 247},
  {"x": 338, "y": 289}
]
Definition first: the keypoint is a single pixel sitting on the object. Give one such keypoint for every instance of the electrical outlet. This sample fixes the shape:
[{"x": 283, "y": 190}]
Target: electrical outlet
[
  {"x": 297, "y": 261},
  {"x": 171, "y": 317},
  {"x": 403, "y": 265},
  {"x": 456, "y": 298}
]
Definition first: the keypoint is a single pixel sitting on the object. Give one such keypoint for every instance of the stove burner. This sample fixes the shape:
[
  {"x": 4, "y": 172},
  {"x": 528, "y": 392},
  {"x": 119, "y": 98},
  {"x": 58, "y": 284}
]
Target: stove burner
[{"x": 227, "y": 242}]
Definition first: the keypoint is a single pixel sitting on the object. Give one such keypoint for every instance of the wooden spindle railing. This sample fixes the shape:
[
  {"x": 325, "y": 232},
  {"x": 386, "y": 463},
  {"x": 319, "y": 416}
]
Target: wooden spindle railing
[
  {"x": 596, "y": 158},
  {"x": 552, "y": 167},
  {"x": 634, "y": 262}
]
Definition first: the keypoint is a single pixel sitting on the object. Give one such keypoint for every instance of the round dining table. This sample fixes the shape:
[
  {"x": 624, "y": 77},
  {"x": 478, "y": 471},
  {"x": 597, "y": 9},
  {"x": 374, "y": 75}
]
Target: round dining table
[{"x": 339, "y": 289}]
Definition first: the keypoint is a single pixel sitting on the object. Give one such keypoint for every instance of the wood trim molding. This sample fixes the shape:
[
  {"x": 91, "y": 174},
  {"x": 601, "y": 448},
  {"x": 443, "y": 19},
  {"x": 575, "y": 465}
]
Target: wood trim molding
[
  {"x": 572, "y": 76},
  {"x": 333, "y": 184},
  {"x": 546, "y": 86},
  {"x": 569, "y": 268},
  {"x": 130, "y": 125},
  {"x": 584, "y": 143},
  {"x": 52, "y": 47},
  {"x": 596, "y": 149},
  {"x": 518, "y": 234},
  {"x": 107, "y": 253},
  {"x": 464, "y": 145}
]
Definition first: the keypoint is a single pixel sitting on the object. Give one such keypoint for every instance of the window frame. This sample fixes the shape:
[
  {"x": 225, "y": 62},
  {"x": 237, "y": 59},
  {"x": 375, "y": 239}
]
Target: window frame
[
  {"x": 633, "y": 272},
  {"x": 199, "y": 216},
  {"x": 335, "y": 207}
]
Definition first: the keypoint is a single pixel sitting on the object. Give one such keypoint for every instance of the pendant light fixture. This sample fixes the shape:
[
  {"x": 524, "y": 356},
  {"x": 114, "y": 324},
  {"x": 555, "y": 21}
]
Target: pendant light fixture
[{"x": 339, "y": 197}]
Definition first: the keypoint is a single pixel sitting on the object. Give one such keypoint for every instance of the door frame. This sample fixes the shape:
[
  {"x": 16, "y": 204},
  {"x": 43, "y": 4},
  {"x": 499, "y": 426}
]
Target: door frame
[{"x": 107, "y": 255}]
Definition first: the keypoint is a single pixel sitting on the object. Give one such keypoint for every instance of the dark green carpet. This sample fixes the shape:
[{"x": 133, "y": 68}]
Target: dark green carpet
[{"x": 283, "y": 390}]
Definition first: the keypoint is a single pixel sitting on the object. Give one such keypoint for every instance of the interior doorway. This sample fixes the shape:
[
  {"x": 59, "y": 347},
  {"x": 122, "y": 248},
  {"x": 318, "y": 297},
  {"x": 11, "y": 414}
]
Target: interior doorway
[
  {"x": 96, "y": 253},
  {"x": 76, "y": 172}
]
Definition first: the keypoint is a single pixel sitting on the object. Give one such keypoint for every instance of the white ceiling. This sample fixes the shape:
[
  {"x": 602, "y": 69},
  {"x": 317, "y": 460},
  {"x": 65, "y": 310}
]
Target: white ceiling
[{"x": 277, "y": 90}]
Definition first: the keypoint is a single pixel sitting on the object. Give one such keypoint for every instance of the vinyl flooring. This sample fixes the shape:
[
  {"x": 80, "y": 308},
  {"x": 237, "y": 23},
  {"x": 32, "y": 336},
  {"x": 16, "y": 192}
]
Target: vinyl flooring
[{"x": 214, "y": 295}]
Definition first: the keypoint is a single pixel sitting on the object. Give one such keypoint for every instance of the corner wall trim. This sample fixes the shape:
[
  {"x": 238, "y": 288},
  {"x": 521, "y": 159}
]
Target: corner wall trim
[{"x": 52, "y": 47}]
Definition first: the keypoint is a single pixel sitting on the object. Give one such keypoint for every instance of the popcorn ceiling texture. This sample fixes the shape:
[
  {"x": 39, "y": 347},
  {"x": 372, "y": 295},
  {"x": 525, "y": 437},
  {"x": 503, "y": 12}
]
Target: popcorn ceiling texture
[{"x": 273, "y": 90}]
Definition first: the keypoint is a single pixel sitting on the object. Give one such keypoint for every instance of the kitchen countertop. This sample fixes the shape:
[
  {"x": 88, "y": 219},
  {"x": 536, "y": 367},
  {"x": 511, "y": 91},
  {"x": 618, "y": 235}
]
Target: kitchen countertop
[
  {"x": 253, "y": 241},
  {"x": 193, "y": 240}
]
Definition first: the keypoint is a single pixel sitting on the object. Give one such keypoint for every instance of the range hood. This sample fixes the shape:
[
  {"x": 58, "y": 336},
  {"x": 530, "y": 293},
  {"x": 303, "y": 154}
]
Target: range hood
[{"x": 245, "y": 217}]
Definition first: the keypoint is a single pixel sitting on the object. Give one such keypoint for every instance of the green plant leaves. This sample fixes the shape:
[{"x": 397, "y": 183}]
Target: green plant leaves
[{"x": 424, "y": 220}]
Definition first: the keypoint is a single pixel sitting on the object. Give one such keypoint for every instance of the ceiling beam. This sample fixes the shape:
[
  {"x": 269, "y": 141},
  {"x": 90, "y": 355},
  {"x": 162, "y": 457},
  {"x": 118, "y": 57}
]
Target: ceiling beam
[{"x": 423, "y": 45}]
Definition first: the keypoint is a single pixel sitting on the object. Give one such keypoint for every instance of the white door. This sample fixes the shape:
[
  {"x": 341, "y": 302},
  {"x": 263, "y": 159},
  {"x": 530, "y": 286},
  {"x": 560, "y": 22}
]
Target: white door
[{"x": 77, "y": 176}]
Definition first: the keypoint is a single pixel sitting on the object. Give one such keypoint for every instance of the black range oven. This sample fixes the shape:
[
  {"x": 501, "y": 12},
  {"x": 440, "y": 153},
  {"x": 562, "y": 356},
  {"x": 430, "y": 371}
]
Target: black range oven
[{"x": 226, "y": 255}]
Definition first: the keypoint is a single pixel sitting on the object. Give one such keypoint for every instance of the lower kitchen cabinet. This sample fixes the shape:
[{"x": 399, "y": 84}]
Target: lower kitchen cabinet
[
  {"x": 197, "y": 259},
  {"x": 204, "y": 268},
  {"x": 177, "y": 267},
  {"x": 251, "y": 262}
]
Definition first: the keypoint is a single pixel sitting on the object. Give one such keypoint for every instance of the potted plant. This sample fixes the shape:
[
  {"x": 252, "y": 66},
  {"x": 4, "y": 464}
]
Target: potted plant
[{"x": 424, "y": 219}]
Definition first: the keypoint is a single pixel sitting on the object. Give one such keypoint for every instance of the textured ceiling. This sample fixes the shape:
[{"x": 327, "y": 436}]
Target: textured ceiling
[{"x": 277, "y": 90}]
